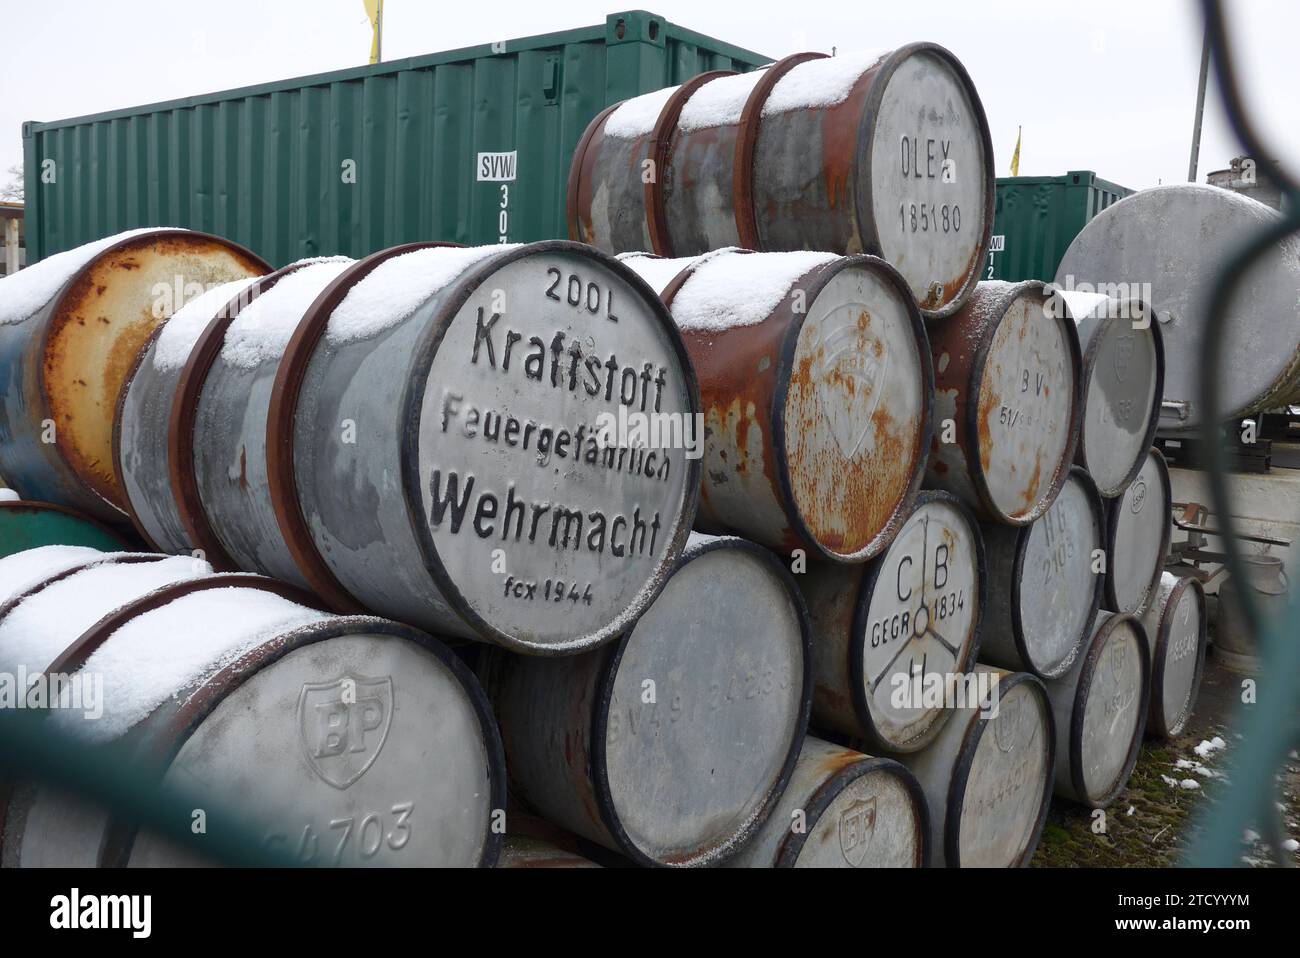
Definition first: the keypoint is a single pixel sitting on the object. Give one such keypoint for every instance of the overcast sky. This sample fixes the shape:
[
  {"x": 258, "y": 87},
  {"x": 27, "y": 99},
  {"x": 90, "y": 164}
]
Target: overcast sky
[{"x": 1107, "y": 85}]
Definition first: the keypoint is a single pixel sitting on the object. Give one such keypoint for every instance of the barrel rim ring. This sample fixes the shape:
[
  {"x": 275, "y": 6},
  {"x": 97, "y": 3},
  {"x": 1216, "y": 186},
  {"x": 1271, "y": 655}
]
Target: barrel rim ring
[
  {"x": 607, "y": 673},
  {"x": 1112, "y": 530},
  {"x": 956, "y": 797},
  {"x": 447, "y": 309},
  {"x": 38, "y": 506},
  {"x": 1078, "y": 781},
  {"x": 975, "y": 469},
  {"x": 116, "y": 436},
  {"x": 742, "y": 164},
  {"x": 830, "y": 789},
  {"x": 1157, "y": 726},
  {"x": 184, "y": 414},
  {"x": 661, "y": 136},
  {"x": 813, "y": 283},
  {"x": 1098, "y": 511},
  {"x": 73, "y": 658},
  {"x": 52, "y": 306},
  {"x": 882, "y": 72},
  {"x": 108, "y": 558},
  {"x": 571, "y": 211},
  {"x": 165, "y": 731},
  {"x": 1153, "y": 419},
  {"x": 862, "y": 609},
  {"x": 281, "y": 421}
]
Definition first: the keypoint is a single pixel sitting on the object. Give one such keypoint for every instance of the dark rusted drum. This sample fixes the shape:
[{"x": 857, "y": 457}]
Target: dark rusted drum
[
  {"x": 1123, "y": 381},
  {"x": 842, "y": 809},
  {"x": 29, "y": 525},
  {"x": 1175, "y": 625},
  {"x": 1100, "y": 711},
  {"x": 519, "y": 851},
  {"x": 859, "y": 153},
  {"x": 1045, "y": 583},
  {"x": 988, "y": 776},
  {"x": 229, "y": 458},
  {"x": 142, "y": 438},
  {"x": 70, "y": 328},
  {"x": 1139, "y": 526},
  {"x": 882, "y": 628},
  {"x": 673, "y": 745},
  {"x": 1006, "y": 372},
  {"x": 454, "y": 442},
  {"x": 347, "y": 740},
  {"x": 1166, "y": 245},
  {"x": 816, "y": 384}
]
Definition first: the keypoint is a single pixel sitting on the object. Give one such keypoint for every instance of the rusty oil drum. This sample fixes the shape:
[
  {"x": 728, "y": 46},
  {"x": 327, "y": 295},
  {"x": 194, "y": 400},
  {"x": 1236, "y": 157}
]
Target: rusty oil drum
[
  {"x": 153, "y": 428},
  {"x": 1006, "y": 372},
  {"x": 917, "y": 606},
  {"x": 842, "y": 809},
  {"x": 1100, "y": 711},
  {"x": 816, "y": 386},
  {"x": 410, "y": 763},
  {"x": 437, "y": 445},
  {"x": 988, "y": 777},
  {"x": 1045, "y": 583},
  {"x": 1139, "y": 525},
  {"x": 1154, "y": 244},
  {"x": 70, "y": 329},
  {"x": 673, "y": 745},
  {"x": 888, "y": 155},
  {"x": 1123, "y": 381},
  {"x": 1176, "y": 627}
]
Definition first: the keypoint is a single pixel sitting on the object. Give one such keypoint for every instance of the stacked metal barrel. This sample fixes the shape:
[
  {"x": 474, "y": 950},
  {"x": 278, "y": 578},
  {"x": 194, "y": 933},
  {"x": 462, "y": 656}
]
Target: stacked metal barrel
[{"x": 669, "y": 510}]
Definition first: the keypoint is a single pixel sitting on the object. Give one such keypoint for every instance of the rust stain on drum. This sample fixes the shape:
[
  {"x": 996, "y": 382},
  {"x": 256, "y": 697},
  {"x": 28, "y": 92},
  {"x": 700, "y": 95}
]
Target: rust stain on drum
[{"x": 122, "y": 293}]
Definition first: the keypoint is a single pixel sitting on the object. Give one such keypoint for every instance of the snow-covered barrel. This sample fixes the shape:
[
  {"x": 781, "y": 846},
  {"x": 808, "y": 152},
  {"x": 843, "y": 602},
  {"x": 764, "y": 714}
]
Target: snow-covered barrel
[
  {"x": 843, "y": 809},
  {"x": 887, "y": 154},
  {"x": 673, "y": 745},
  {"x": 1100, "y": 711},
  {"x": 890, "y": 635},
  {"x": 1045, "y": 582},
  {"x": 1139, "y": 525},
  {"x": 1007, "y": 402},
  {"x": 343, "y": 740},
  {"x": 1175, "y": 625},
  {"x": 988, "y": 777},
  {"x": 28, "y": 525},
  {"x": 816, "y": 386},
  {"x": 154, "y": 428},
  {"x": 1123, "y": 381},
  {"x": 486, "y": 442},
  {"x": 70, "y": 329},
  {"x": 1166, "y": 245}
]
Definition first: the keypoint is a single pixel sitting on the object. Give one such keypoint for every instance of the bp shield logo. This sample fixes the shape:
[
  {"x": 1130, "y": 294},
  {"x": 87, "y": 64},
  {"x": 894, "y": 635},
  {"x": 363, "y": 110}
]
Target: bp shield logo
[
  {"x": 859, "y": 369},
  {"x": 857, "y": 826},
  {"x": 1125, "y": 347},
  {"x": 1007, "y": 726},
  {"x": 343, "y": 725}
]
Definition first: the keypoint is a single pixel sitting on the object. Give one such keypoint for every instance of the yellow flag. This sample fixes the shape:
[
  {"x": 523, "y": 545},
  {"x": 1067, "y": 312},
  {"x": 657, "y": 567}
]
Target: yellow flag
[
  {"x": 1015, "y": 157},
  {"x": 375, "y": 12}
]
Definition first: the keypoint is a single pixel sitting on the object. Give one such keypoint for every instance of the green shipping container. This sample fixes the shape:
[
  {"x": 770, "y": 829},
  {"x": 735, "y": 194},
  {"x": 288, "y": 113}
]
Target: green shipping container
[
  {"x": 1036, "y": 219},
  {"x": 471, "y": 146}
]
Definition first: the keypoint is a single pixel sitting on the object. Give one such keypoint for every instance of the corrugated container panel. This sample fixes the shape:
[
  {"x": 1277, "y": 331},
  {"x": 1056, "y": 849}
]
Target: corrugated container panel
[
  {"x": 361, "y": 159},
  {"x": 1037, "y": 217}
]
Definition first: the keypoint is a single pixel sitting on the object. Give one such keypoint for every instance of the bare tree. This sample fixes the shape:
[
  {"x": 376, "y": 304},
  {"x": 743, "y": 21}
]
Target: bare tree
[{"x": 13, "y": 190}]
